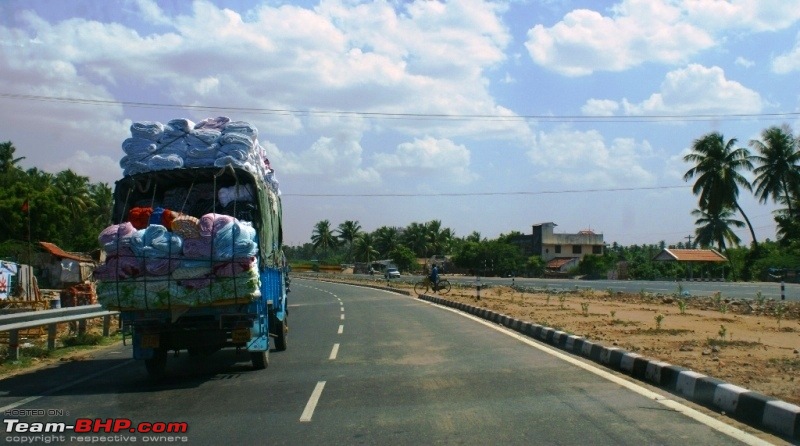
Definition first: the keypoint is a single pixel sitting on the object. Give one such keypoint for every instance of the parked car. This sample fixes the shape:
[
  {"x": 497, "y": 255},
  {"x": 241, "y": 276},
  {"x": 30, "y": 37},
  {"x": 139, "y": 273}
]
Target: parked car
[{"x": 391, "y": 273}]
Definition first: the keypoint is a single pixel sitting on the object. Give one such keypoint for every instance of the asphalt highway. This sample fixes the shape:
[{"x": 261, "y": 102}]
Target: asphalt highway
[{"x": 363, "y": 366}]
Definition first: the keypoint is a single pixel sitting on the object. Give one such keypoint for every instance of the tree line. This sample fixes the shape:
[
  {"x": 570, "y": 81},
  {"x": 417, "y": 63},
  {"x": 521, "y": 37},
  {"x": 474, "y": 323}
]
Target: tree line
[
  {"x": 67, "y": 209},
  {"x": 718, "y": 171},
  {"x": 63, "y": 208}
]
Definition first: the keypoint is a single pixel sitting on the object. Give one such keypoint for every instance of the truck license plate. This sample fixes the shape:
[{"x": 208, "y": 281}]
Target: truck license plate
[
  {"x": 241, "y": 335},
  {"x": 150, "y": 341}
]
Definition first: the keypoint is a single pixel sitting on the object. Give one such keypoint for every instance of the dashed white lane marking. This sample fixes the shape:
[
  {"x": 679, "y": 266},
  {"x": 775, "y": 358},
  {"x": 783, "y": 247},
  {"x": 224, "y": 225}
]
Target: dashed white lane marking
[
  {"x": 341, "y": 329},
  {"x": 342, "y": 308},
  {"x": 342, "y": 318},
  {"x": 308, "y": 412},
  {"x": 334, "y": 352}
]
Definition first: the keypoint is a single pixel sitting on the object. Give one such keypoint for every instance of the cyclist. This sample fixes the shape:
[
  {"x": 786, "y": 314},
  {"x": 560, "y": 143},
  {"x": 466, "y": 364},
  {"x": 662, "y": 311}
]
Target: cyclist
[{"x": 435, "y": 276}]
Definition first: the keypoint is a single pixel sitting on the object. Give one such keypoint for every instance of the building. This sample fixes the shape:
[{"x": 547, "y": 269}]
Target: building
[
  {"x": 703, "y": 257},
  {"x": 561, "y": 252}
]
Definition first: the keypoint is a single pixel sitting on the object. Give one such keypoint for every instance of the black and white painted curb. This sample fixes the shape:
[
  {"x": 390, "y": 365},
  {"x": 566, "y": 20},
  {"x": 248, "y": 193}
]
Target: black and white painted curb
[{"x": 761, "y": 411}]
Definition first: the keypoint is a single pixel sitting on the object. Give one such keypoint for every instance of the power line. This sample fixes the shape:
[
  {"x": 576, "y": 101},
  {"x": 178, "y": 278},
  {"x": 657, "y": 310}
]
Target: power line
[
  {"x": 472, "y": 194},
  {"x": 411, "y": 116}
]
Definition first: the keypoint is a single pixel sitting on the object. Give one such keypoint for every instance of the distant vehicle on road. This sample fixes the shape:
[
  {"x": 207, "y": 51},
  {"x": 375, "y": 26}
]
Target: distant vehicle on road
[{"x": 391, "y": 273}]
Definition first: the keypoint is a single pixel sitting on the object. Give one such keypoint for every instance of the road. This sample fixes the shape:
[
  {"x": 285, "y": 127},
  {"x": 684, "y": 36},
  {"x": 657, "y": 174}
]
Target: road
[
  {"x": 736, "y": 290},
  {"x": 363, "y": 366}
]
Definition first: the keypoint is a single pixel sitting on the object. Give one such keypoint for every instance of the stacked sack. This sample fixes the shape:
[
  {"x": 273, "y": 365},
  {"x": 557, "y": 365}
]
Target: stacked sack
[
  {"x": 214, "y": 142},
  {"x": 176, "y": 259}
]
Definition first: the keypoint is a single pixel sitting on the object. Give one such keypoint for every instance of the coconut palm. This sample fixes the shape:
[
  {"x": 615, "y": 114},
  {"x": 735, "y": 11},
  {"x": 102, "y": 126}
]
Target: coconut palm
[
  {"x": 416, "y": 237},
  {"x": 716, "y": 165},
  {"x": 101, "y": 197},
  {"x": 322, "y": 236},
  {"x": 364, "y": 246},
  {"x": 387, "y": 239},
  {"x": 778, "y": 175},
  {"x": 348, "y": 232},
  {"x": 439, "y": 239},
  {"x": 716, "y": 228},
  {"x": 74, "y": 190},
  {"x": 7, "y": 160}
]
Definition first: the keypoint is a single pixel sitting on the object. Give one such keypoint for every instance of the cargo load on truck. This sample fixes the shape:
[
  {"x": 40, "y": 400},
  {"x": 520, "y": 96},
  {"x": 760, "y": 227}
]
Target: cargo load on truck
[{"x": 194, "y": 255}]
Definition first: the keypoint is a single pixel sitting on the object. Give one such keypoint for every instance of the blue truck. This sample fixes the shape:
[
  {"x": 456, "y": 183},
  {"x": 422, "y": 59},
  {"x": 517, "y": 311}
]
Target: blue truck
[{"x": 194, "y": 262}]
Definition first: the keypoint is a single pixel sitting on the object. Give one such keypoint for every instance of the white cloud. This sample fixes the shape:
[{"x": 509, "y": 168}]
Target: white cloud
[
  {"x": 696, "y": 90},
  {"x": 428, "y": 156},
  {"x": 151, "y": 12},
  {"x": 336, "y": 159},
  {"x": 337, "y": 56},
  {"x": 582, "y": 157},
  {"x": 744, "y": 62},
  {"x": 692, "y": 90},
  {"x": 789, "y": 61},
  {"x": 88, "y": 165},
  {"x": 600, "y": 107},
  {"x": 640, "y": 31}
]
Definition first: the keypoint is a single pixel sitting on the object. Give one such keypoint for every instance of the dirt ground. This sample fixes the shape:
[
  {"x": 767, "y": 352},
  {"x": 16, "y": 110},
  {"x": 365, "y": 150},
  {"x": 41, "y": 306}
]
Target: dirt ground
[{"x": 741, "y": 342}]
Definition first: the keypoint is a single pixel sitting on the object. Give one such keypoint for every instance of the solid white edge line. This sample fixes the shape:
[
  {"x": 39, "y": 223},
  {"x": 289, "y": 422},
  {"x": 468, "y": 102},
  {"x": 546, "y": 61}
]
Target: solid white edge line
[
  {"x": 308, "y": 412},
  {"x": 674, "y": 405},
  {"x": 334, "y": 352}
]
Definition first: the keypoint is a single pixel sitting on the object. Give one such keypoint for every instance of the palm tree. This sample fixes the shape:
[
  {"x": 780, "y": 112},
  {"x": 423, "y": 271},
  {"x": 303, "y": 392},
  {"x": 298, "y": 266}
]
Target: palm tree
[
  {"x": 416, "y": 237},
  {"x": 322, "y": 236},
  {"x": 102, "y": 200},
  {"x": 348, "y": 232},
  {"x": 74, "y": 190},
  {"x": 716, "y": 228},
  {"x": 778, "y": 175},
  {"x": 387, "y": 239},
  {"x": 7, "y": 160},
  {"x": 438, "y": 239},
  {"x": 365, "y": 247},
  {"x": 474, "y": 237},
  {"x": 717, "y": 165}
]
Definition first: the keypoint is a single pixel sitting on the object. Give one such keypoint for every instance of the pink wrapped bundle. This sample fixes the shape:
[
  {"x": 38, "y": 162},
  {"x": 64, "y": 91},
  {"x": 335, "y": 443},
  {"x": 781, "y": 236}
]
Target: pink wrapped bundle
[
  {"x": 123, "y": 265},
  {"x": 234, "y": 268},
  {"x": 160, "y": 266},
  {"x": 197, "y": 248},
  {"x": 116, "y": 237},
  {"x": 211, "y": 224}
]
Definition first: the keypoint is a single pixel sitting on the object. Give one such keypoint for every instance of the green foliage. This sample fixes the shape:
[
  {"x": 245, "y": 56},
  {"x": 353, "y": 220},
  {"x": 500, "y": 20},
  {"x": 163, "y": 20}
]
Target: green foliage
[
  {"x": 659, "y": 319},
  {"x": 82, "y": 339},
  {"x": 403, "y": 258},
  {"x": 494, "y": 257},
  {"x": 65, "y": 208}
]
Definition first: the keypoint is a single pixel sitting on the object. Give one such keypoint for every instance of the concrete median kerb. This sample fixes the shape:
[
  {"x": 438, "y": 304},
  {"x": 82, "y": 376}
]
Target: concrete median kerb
[{"x": 753, "y": 408}]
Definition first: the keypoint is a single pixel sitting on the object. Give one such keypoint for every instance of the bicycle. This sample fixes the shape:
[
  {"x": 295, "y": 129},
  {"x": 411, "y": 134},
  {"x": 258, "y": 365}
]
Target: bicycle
[{"x": 422, "y": 287}]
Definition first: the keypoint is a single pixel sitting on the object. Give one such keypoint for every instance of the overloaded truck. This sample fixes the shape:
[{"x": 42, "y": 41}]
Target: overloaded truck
[{"x": 194, "y": 258}]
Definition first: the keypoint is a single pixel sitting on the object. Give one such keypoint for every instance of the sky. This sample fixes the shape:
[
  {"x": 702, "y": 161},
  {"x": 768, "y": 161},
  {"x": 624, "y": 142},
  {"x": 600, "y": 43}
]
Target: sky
[{"x": 489, "y": 116}]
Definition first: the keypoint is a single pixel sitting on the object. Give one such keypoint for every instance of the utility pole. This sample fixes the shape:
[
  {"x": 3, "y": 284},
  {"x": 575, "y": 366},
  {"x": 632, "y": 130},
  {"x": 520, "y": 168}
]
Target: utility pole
[{"x": 690, "y": 240}]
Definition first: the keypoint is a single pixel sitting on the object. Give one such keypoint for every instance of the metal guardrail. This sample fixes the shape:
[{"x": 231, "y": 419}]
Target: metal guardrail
[{"x": 13, "y": 323}]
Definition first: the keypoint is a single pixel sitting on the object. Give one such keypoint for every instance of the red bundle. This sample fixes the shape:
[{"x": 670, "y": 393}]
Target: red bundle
[{"x": 139, "y": 217}]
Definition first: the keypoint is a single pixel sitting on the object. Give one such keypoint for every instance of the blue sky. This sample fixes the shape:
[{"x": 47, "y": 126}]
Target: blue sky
[{"x": 488, "y": 116}]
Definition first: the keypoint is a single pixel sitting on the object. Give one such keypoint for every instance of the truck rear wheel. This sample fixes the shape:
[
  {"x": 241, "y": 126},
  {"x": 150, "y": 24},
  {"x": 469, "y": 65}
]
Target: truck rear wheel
[
  {"x": 157, "y": 365},
  {"x": 260, "y": 360},
  {"x": 282, "y": 331}
]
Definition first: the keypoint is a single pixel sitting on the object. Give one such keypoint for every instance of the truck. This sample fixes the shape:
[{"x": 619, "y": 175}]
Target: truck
[{"x": 194, "y": 259}]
